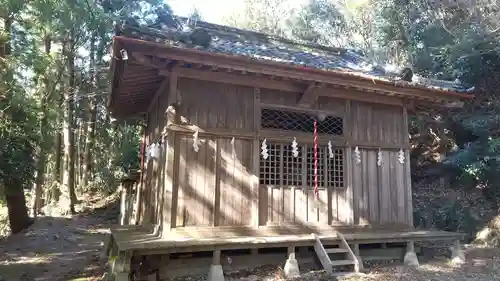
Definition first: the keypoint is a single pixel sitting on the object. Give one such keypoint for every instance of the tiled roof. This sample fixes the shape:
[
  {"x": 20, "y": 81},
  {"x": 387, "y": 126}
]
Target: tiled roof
[{"x": 237, "y": 42}]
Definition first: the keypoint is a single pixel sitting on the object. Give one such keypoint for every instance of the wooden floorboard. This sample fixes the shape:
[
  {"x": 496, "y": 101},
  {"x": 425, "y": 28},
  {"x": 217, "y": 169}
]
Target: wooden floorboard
[{"x": 144, "y": 240}]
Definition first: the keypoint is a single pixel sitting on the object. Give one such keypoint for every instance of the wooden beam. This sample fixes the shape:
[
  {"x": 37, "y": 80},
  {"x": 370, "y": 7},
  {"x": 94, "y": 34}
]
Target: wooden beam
[
  {"x": 162, "y": 89},
  {"x": 217, "y": 133},
  {"x": 236, "y": 79},
  {"x": 311, "y": 111},
  {"x": 357, "y": 95},
  {"x": 456, "y": 104},
  {"x": 309, "y": 96}
]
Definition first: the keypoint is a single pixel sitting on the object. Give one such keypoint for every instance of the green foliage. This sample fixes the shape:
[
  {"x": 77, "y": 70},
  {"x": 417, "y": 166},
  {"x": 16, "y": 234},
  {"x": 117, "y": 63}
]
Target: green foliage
[
  {"x": 18, "y": 139},
  {"x": 318, "y": 22},
  {"x": 123, "y": 156},
  {"x": 448, "y": 215}
]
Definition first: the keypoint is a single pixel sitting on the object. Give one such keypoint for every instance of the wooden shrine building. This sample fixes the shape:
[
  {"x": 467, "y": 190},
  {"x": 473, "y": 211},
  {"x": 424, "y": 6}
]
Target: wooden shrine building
[{"x": 229, "y": 156}]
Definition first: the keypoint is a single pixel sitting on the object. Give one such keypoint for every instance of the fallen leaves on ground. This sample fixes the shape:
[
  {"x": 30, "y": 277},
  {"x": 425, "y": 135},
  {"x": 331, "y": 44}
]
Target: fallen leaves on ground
[{"x": 61, "y": 247}]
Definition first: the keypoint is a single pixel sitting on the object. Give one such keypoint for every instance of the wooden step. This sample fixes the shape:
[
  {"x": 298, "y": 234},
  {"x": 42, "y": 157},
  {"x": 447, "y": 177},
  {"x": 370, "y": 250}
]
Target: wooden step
[
  {"x": 336, "y": 250},
  {"x": 325, "y": 260},
  {"x": 342, "y": 262}
]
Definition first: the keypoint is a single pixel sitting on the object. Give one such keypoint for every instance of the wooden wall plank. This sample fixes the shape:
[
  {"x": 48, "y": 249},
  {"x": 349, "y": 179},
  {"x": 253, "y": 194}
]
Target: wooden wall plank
[
  {"x": 323, "y": 207},
  {"x": 226, "y": 185},
  {"x": 409, "y": 194},
  {"x": 208, "y": 108},
  {"x": 376, "y": 124},
  {"x": 385, "y": 190},
  {"x": 275, "y": 207},
  {"x": 235, "y": 183},
  {"x": 373, "y": 189},
  {"x": 263, "y": 205},
  {"x": 196, "y": 181},
  {"x": 301, "y": 205},
  {"x": 357, "y": 190},
  {"x": 394, "y": 186},
  {"x": 183, "y": 181},
  {"x": 216, "y": 197},
  {"x": 400, "y": 190},
  {"x": 365, "y": 201},
  {"x": 288, "y": 214},
  {"x": 334, "y": 206}
]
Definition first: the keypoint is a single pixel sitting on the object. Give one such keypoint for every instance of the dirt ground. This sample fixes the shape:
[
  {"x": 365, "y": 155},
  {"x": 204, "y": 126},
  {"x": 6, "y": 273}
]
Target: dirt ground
[
  {"x": 60, "y": 248},
  {"x": 69, "y": 249}
]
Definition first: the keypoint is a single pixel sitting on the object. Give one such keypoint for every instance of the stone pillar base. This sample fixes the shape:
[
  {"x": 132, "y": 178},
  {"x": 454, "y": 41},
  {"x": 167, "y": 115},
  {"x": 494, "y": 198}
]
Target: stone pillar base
[{"x": 216, "y": 273}]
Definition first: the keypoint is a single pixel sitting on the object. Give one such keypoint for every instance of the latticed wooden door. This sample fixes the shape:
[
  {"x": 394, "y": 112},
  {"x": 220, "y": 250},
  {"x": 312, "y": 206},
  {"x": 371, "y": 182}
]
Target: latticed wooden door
[{"x": 287, "y": 180}]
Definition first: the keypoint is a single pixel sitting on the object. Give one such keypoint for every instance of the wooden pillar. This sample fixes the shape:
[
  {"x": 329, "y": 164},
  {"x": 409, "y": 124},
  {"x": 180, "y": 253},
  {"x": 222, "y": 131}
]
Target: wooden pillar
[
  {"x": 216, "y": 257},
  {"x": 410, "y": 246},
  {"x": 140, "y": 184},
  {"x": 126, "y": 201},
  {"x": 291, "y": 252},
  {"x": 123, "y": 202},
  {"x": 348, "y": 168},
  {"x": 256, "y": 161},
  {"x": 170, "y": 184},
  {"x": 407, "y": 170},
  {"x": 216, "y": 273},
  {"x": 216, "y": 197},
  {"x": 121, "y": 266}
]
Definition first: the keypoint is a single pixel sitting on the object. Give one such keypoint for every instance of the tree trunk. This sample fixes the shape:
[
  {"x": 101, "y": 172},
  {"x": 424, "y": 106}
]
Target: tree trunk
[
  {"x": 55, "y": 192},
  {"x": 91, "y": 116},
  {"x": 42, "y": 157},
  {"x": 13, "y": 188},
  {"x": 68, "y": 127},
  {"x": 16, "y": 207}
]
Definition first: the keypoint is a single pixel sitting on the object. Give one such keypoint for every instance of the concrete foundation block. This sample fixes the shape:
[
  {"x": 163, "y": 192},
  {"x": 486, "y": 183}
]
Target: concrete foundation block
[
  {"x": 457, "y": 255},
  {"x": 291, "y": 268},
  {"x": 216, "y": 273},
  {"x": 122, "y": 276},
  {"x": 411, "y": 259}
]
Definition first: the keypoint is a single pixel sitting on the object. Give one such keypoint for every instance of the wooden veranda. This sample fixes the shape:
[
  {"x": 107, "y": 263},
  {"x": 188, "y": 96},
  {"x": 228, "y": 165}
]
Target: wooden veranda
[{"x": 252, "y": 142}]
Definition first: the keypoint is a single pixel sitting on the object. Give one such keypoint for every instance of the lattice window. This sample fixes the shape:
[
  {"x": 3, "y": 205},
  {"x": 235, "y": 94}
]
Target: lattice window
[
  {"x": 336, "y": 168},
  {"x": 270, "y": 168},
  {"x": 282, "y": 168},
  {"x": 300, "y": 122},
  {"x": 292, "y": 167}
]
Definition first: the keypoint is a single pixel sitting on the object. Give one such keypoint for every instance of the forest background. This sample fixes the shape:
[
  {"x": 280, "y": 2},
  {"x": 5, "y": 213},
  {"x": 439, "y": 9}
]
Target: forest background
[{"x": 54, "y": 126}]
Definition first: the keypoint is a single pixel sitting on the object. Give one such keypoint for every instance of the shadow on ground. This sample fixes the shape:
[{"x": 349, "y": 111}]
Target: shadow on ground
[{"x": 58, "y": 248}]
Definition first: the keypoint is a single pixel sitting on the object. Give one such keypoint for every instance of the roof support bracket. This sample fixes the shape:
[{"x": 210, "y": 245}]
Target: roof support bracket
[{"x": 310, "y": 95}]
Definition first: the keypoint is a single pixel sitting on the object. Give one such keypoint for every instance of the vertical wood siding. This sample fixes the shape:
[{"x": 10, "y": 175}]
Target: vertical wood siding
[
  {"x": 215, "y": 189},
  {"x": 211, "y": 194},
  {"x": 216, "y": 106},
  {"x": 379, "y": 124},
  {"x": 380, "y": 192}
]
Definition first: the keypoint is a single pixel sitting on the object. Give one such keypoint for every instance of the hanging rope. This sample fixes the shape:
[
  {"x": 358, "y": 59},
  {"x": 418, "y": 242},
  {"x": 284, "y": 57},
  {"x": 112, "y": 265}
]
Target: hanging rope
[{"x": 315, "y": 160}]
